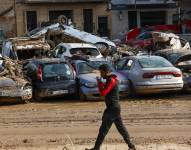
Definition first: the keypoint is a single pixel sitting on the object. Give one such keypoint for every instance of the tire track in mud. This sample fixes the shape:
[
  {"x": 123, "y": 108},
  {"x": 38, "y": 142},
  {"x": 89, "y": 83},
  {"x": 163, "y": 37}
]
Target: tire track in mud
[{"x": 141, "y": 111}]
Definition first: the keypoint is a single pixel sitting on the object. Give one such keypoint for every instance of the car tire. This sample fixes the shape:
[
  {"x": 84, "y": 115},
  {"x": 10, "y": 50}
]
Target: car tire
[
  {"x": 131, "y": 90},
  {"x": 28, "y": 97},
  {"x": 36, "y": 97}
]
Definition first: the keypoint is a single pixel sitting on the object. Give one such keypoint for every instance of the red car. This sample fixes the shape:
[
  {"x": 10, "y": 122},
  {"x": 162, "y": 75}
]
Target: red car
[{"x": 143, "y": 40}]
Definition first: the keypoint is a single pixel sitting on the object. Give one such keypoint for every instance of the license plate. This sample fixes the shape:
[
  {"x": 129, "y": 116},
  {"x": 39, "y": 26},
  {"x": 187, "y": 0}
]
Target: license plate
[
  {"x": 12, "y": 94},
  {"x": 159, "y": 77},
  {"x": 60, "y": 92}
]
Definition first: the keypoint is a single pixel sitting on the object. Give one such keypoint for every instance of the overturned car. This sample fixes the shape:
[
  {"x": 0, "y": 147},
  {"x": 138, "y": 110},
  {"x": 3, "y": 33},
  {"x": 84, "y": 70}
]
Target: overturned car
[
  {"x": 23, "y": 48},
  {"x": 13, "y": 85},
  {"x": 57, "y": 33}
]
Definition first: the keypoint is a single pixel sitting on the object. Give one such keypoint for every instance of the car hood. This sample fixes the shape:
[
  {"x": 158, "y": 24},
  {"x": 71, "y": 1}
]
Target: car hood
[
  {"x": 90, "y": 77},
  {"x": 7, "y": 82}
]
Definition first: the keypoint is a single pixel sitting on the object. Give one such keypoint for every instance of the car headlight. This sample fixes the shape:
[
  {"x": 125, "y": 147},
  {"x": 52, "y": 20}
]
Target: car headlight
[
  {"x": 123, "y": 81},
  {"x": 90, "y": 84}
]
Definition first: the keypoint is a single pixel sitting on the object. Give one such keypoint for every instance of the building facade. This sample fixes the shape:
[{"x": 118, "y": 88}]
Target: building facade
[
  {"x": 88, "y": 15},
  {"x": 128, "y": 14},
  {"x": 7, "y": 19}
]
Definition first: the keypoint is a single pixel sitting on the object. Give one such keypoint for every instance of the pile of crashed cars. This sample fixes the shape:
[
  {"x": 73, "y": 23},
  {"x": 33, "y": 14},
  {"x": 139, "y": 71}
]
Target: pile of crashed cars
[{"x": 60, "y": 60}]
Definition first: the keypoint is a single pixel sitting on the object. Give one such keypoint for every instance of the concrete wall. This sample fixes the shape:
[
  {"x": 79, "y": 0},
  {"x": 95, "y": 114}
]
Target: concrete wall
[
  {"x": 99, "y": 9},
  {"x": 119, "y": 25},
  {"x": 7, "y": 21}
]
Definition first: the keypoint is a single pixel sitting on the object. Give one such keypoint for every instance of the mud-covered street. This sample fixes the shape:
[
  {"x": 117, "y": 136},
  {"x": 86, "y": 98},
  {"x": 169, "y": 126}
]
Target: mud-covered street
[{"x": 154, "y": 122}]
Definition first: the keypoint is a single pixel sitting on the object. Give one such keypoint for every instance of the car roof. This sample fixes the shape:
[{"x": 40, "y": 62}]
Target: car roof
[
  {"x": 90, "y": 59},
  {"x": 77, "y": 45}
]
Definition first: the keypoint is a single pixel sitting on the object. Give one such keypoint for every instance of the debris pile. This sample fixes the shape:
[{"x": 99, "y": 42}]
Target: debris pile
[{"x": 11, "y": 69}]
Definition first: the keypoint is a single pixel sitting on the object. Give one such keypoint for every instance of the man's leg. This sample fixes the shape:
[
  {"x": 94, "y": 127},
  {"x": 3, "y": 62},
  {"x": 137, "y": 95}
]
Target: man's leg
[
  {"x": 123, "y": 131},
  {"x": 104, "y": 128}
]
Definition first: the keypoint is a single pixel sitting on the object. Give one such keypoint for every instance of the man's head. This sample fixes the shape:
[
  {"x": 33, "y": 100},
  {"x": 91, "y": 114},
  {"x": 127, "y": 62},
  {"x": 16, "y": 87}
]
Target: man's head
[{"x": 104, "y": 70}]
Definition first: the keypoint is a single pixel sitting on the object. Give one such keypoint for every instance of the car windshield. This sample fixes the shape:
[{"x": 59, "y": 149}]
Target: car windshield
[
  {"x": 154, "y": 62},
  {"x": 85, "y": 51},
  {"x": 91, "y": 67},
  {"x": 54, "y": 70}
]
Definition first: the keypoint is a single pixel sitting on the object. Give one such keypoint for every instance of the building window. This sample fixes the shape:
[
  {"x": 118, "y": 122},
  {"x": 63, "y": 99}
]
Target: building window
[
  {"x": 53, "y": 15},
  {"x": 132, "y": 18},
  {"x": 88, "y": 20},
  {"x": 31, "y": 17},
  {"x": 153, "y": 18}
]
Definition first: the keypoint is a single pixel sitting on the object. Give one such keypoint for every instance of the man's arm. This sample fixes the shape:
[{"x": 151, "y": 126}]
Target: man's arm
[{"x": 104, "y": 89}]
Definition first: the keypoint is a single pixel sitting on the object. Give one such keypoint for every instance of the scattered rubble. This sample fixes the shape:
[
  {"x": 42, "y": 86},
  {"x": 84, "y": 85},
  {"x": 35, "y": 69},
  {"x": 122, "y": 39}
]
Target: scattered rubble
[{"x": 11, "y": 69}]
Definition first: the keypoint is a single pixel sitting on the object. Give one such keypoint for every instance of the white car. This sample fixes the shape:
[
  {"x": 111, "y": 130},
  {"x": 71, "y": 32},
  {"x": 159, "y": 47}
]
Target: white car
[
  {"x": 63, "y": 50},
  {"x": 150, "y": 74}
]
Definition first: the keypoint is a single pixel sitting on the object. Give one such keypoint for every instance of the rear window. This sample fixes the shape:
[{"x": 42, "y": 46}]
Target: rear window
[
  {"x": 54, "y": 70},
  {"x": 154, "y": 62},
  {"x": 85, "y": 51}
]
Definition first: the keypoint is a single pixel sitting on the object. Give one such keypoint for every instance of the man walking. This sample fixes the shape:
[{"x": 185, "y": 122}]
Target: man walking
[{"x": 112, "y": 112}]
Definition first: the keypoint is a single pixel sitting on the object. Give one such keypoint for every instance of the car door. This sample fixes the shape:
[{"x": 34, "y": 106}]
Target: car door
[{"x": 124, "y": 67}]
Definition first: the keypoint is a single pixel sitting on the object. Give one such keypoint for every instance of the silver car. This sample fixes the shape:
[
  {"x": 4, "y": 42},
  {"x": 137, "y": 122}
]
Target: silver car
[
  {"x": 86, "y": 73},
  {"x": 150, "y": 74}
]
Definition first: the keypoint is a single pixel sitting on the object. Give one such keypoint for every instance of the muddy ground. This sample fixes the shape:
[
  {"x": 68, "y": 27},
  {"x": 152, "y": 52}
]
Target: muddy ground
[{"x": 154, "y": 123}]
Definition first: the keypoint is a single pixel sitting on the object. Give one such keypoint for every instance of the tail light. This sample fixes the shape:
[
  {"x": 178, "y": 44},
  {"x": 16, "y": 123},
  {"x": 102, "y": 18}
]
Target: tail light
[
  {"x": 39, "y": 72},
  {"x": 74, "y": 70},
  {"x": 152, "y": 74},
  {"x": 177, "y": 74},
  {"x": 74, "y": 67}
]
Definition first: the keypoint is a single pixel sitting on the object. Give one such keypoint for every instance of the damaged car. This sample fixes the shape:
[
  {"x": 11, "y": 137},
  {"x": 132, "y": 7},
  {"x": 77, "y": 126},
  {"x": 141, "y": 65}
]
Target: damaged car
[
  {"x": 50, "y": 77},
  {"x": 13, "y": 85},
  {"x": 182, "y": 60},
  {"x": 86, "y": 73},
  {"x": 57, "y": 33},
  {"x": 149, "y": 74},
  {"x": 22, "y": 48},
  {"x": 64, "y": 50}
]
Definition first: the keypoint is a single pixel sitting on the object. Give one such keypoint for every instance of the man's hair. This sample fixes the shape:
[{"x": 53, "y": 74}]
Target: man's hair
[{"x": 104, "y": 67}]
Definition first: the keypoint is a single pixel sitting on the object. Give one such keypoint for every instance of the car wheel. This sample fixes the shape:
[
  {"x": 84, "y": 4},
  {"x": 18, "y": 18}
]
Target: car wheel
[
  {"x": 36, "y": 97},
  {"x": 27, "y": 96},
  {"x": 131, "y": 89}
]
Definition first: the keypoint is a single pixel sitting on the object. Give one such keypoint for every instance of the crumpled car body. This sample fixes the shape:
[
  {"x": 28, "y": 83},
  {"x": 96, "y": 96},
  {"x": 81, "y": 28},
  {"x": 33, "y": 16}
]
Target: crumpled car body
[
  {"x": 86, "y": 79},
  {"x": 70, "y": 34},
  {"x": 25, "y": 47},
  {"x": 12, "y": 89}
]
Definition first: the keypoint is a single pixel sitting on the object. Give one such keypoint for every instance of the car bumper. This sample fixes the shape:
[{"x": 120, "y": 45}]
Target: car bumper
[
  {"x": 144, "y": 89},
  {"x": 14, "y": 93},
  {"x": 91, "y": 93},
  {"x": 53, "y": 92}
]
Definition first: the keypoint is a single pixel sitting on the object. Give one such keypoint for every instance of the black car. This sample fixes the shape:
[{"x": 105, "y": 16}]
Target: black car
[{"x": 50, "y": 77}]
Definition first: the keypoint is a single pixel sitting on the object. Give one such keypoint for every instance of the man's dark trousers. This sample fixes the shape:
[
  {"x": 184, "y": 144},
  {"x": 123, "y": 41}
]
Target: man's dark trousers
[{"x": 111, "y": 116}]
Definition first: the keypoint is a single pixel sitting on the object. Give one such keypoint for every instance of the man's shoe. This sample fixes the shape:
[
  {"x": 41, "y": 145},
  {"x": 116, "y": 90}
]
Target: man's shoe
[{"x": 132, "y": 147}]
